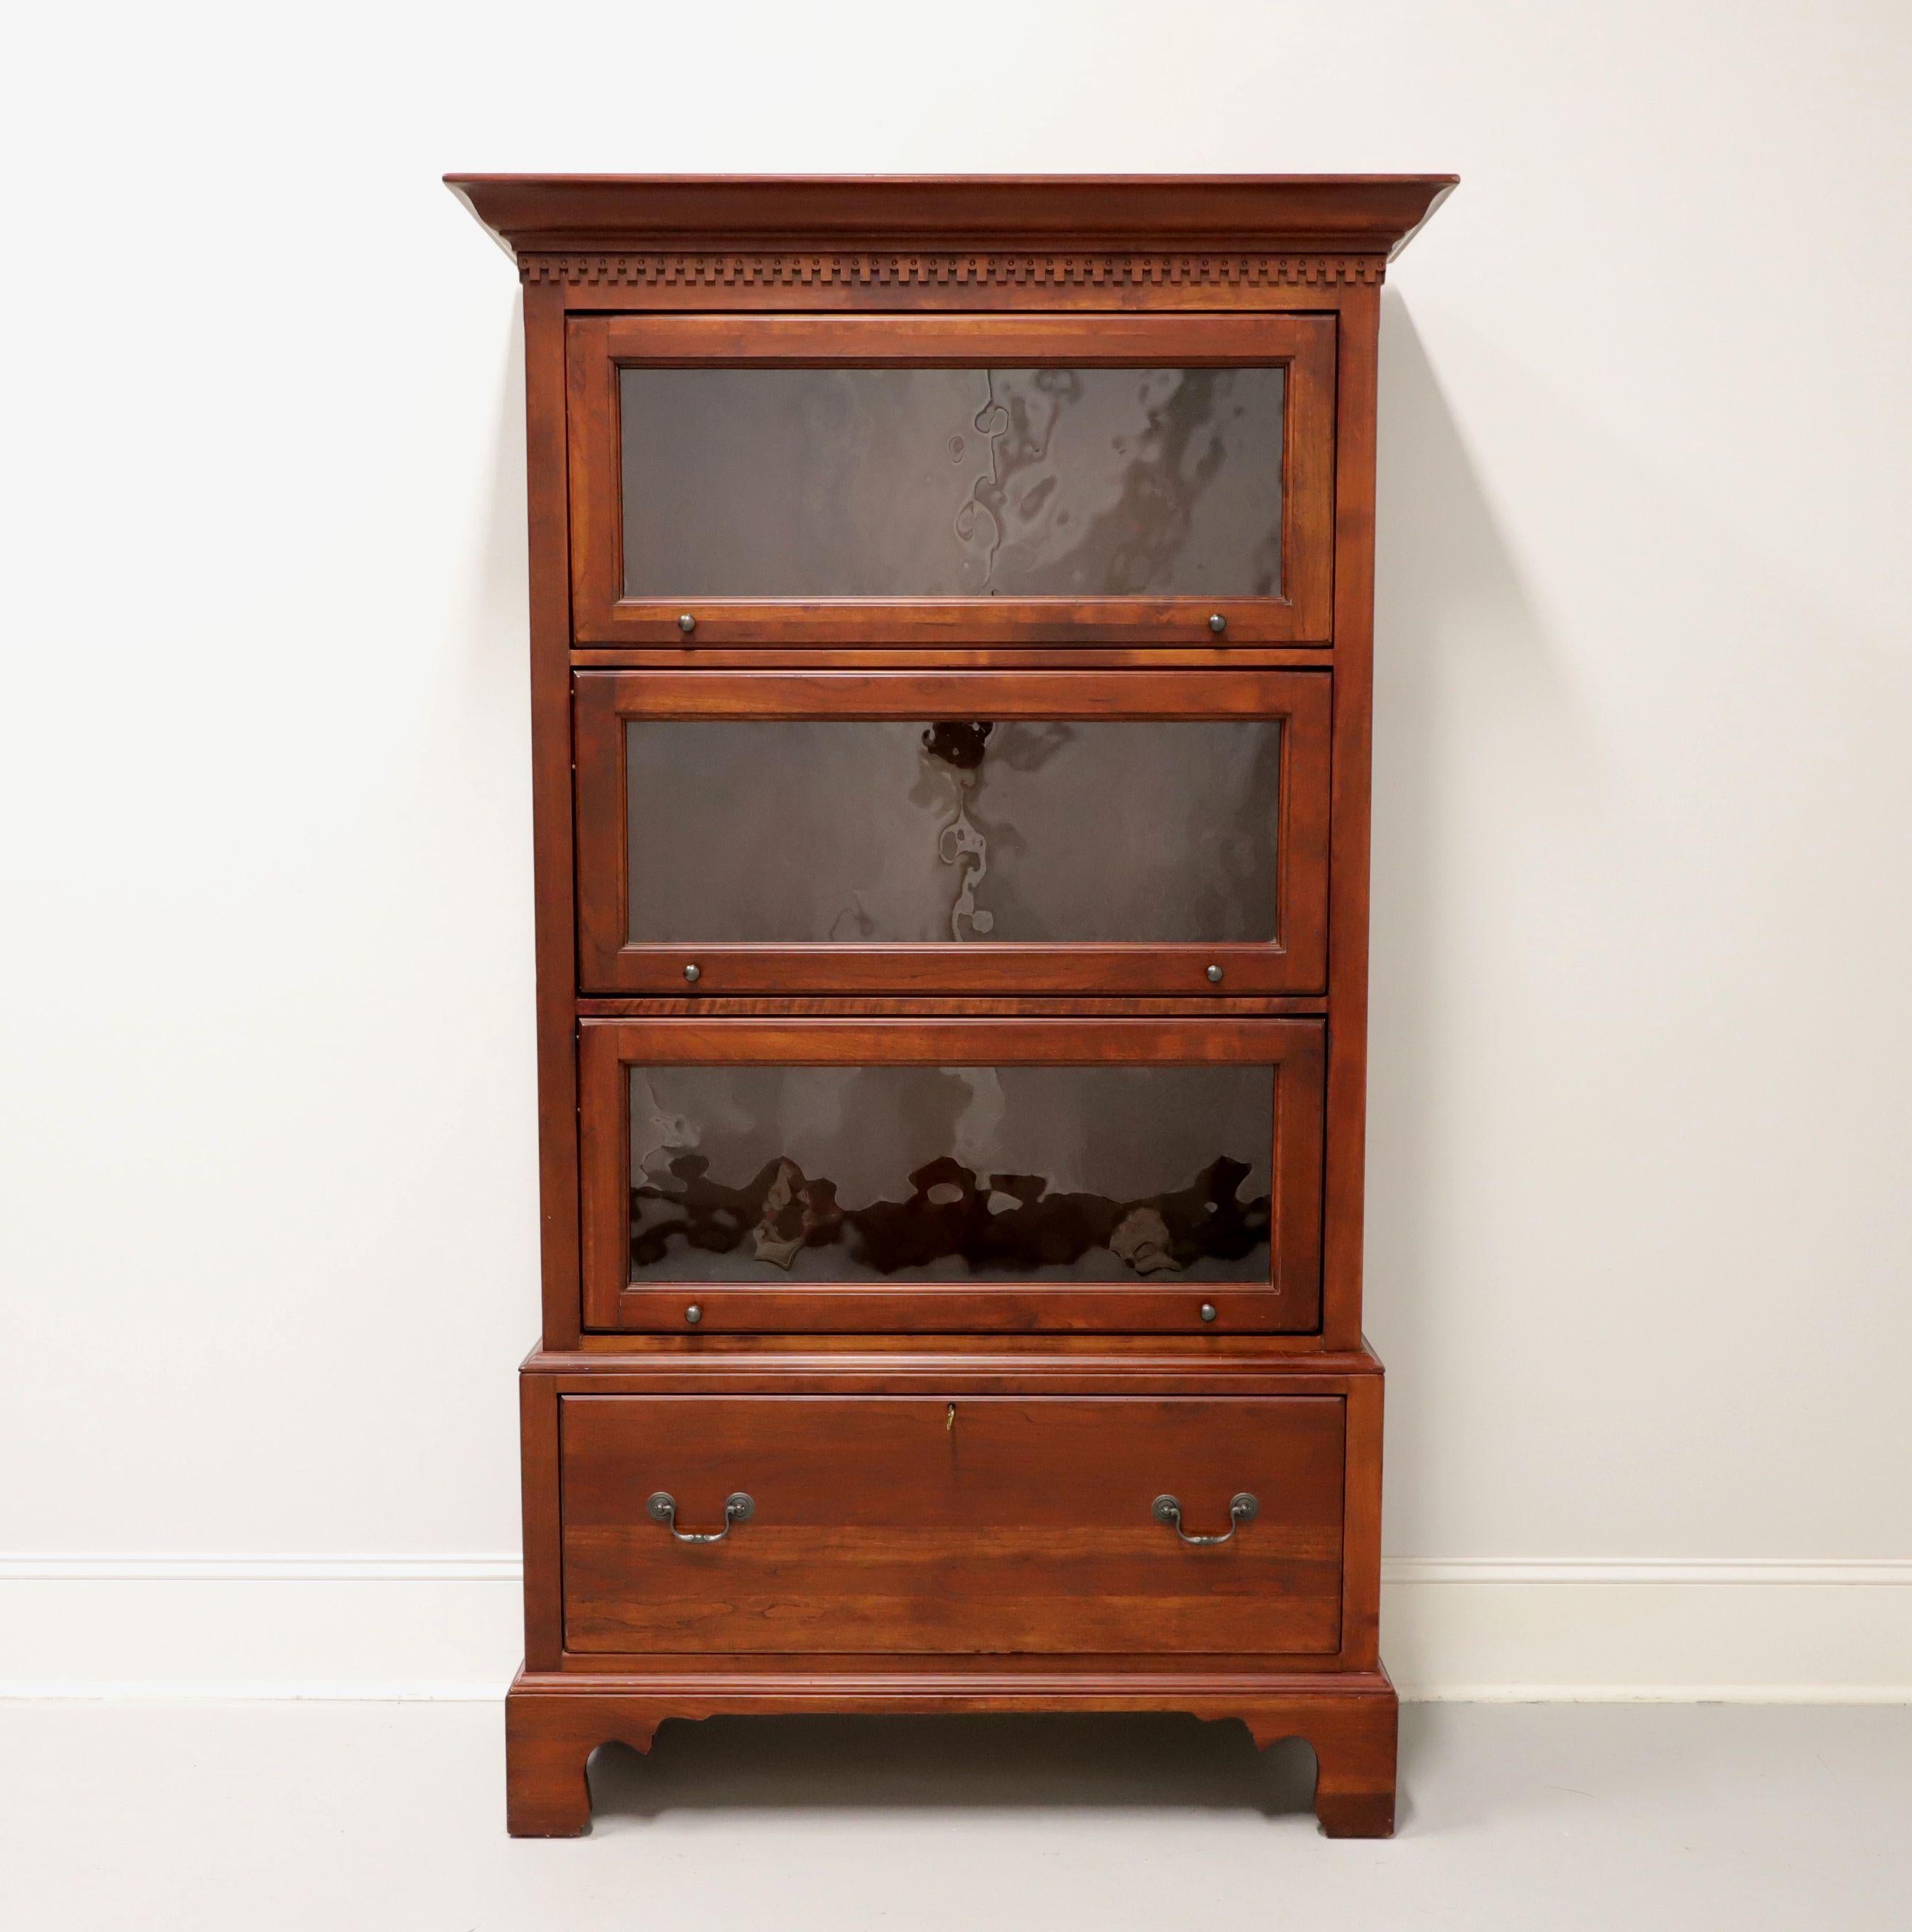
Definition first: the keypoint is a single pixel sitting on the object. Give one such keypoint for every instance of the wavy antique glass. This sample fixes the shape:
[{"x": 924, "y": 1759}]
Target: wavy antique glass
[
  {"x": 787, "y": 831},
  {"x": 1099, "y": 1173},
  {"x": 894, "y": 482}
]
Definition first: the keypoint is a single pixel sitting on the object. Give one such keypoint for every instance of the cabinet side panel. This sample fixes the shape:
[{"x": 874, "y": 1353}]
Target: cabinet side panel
[
  {"x": 1348, "y": 884},
  {"x": 538, "y": 1422},
  {"x": 550, "y": 807},
  {"x": 1360, "y": 1550}
]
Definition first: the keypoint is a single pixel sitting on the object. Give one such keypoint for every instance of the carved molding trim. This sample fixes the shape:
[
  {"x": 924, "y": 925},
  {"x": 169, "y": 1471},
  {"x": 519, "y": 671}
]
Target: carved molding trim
[{"x": 840, "y": 269}]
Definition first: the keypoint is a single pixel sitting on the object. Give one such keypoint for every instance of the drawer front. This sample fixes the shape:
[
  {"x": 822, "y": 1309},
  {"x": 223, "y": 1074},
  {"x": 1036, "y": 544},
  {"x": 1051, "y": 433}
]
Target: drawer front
[
  {"x": 971, "y": 1524},
  {"x": 967, "y": 832},
  {"x": 952, "y": 1176},
  {"x": 862, "y": 480}
]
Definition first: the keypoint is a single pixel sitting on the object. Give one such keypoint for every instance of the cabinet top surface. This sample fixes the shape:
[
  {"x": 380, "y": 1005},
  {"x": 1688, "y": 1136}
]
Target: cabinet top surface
[{"x": 1351, "y": 213}]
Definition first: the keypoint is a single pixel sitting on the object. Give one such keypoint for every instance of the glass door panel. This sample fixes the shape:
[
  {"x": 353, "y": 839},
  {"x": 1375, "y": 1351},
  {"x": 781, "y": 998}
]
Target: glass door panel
[
  {"x": 1056, "y": 1173},
  {"x": 883, "y": 480},
  {"x": 952, "y": 482},
  {"x": 991, "y": 837},
  {"x": 884, "y": 1173},
  {"x": 806, "y": 831}
]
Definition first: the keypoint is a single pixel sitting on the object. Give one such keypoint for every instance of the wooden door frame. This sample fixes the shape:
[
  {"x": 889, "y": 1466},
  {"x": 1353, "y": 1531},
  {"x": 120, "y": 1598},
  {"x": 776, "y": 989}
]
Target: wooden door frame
[
  {"x": 1288, "y": 1303},
  {"x": 1294, "y": 961},
  {"x": 599, "y": 345}
]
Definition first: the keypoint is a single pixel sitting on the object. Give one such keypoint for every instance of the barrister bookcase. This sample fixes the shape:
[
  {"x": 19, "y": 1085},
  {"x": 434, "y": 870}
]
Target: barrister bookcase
[{"x": 951, "y": 645}]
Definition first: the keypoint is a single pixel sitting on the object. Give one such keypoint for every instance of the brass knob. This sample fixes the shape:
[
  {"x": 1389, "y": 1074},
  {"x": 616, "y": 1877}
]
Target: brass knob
[
  {"x": 1215, "y": 976},
  {"x": 693, "y": 973},
  {"x": 1207, "y": 1311},
  {"x": 687, "y": 623},
  {"x": 693, "y": 1315},
  {"x": 1218, "y": 623}
]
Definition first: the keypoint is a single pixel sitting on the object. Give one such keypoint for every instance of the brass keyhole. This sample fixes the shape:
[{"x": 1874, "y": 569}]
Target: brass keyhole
[{"x": 949, "y": 1421}]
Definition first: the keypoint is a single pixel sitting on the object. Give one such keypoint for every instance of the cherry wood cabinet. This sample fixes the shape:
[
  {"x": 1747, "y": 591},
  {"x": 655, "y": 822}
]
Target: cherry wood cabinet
[{"x": 950, "y": 652}]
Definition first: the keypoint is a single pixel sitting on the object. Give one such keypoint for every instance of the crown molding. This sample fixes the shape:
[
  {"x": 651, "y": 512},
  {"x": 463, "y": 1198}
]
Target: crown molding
[{"x": 1299, "y": 215}]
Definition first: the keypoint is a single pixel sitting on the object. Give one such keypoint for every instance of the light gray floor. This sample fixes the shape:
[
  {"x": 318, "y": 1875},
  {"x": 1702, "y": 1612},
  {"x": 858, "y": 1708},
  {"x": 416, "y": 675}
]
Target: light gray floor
[{"x": 356, "y": 1818}]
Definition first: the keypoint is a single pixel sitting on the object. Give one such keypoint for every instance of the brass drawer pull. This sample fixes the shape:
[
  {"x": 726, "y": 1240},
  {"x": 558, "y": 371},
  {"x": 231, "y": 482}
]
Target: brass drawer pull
[
  {"x": 1242, "y": 1508},
  {"x": 662, "y": 1507}
]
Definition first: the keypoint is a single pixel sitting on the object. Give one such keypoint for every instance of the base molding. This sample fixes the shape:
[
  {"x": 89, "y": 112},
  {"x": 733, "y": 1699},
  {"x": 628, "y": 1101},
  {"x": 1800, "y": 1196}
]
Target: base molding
[{"x": 553, "y": 1722}]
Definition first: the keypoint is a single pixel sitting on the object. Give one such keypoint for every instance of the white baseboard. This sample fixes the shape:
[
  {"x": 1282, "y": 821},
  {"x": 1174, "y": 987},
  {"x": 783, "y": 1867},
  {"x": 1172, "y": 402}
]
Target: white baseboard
[
  {"x": 1694, "y": 1631},
  {"x": 404, "y": 1627}
]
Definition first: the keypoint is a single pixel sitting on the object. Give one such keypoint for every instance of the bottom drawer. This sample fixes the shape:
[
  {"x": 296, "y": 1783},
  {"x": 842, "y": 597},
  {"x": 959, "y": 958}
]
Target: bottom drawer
[{"x": 979, "y": 1524}]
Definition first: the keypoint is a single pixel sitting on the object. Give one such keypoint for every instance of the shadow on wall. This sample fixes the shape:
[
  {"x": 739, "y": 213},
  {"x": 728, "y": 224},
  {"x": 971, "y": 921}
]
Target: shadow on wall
[
  {"x": 1451, "y": 612},
  {"x": 491, "y": 590},
  {"x": 1638, "y": 769}
]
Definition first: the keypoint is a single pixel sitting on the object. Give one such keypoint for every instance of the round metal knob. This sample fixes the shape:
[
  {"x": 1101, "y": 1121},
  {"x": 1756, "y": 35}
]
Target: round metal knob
[
  {"x": 693, "y": 973},
  {"x": 693, "y": 1315},
  {"x": 1215, "y": 976},
  {"x": 1207, "y": 1311},
  {"x": 687, "y": 623},
  {"x": 1218, "y": 623}
]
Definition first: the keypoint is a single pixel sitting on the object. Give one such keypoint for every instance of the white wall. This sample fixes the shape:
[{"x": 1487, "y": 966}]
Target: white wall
[{"x": 1639, "y": 1234}]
